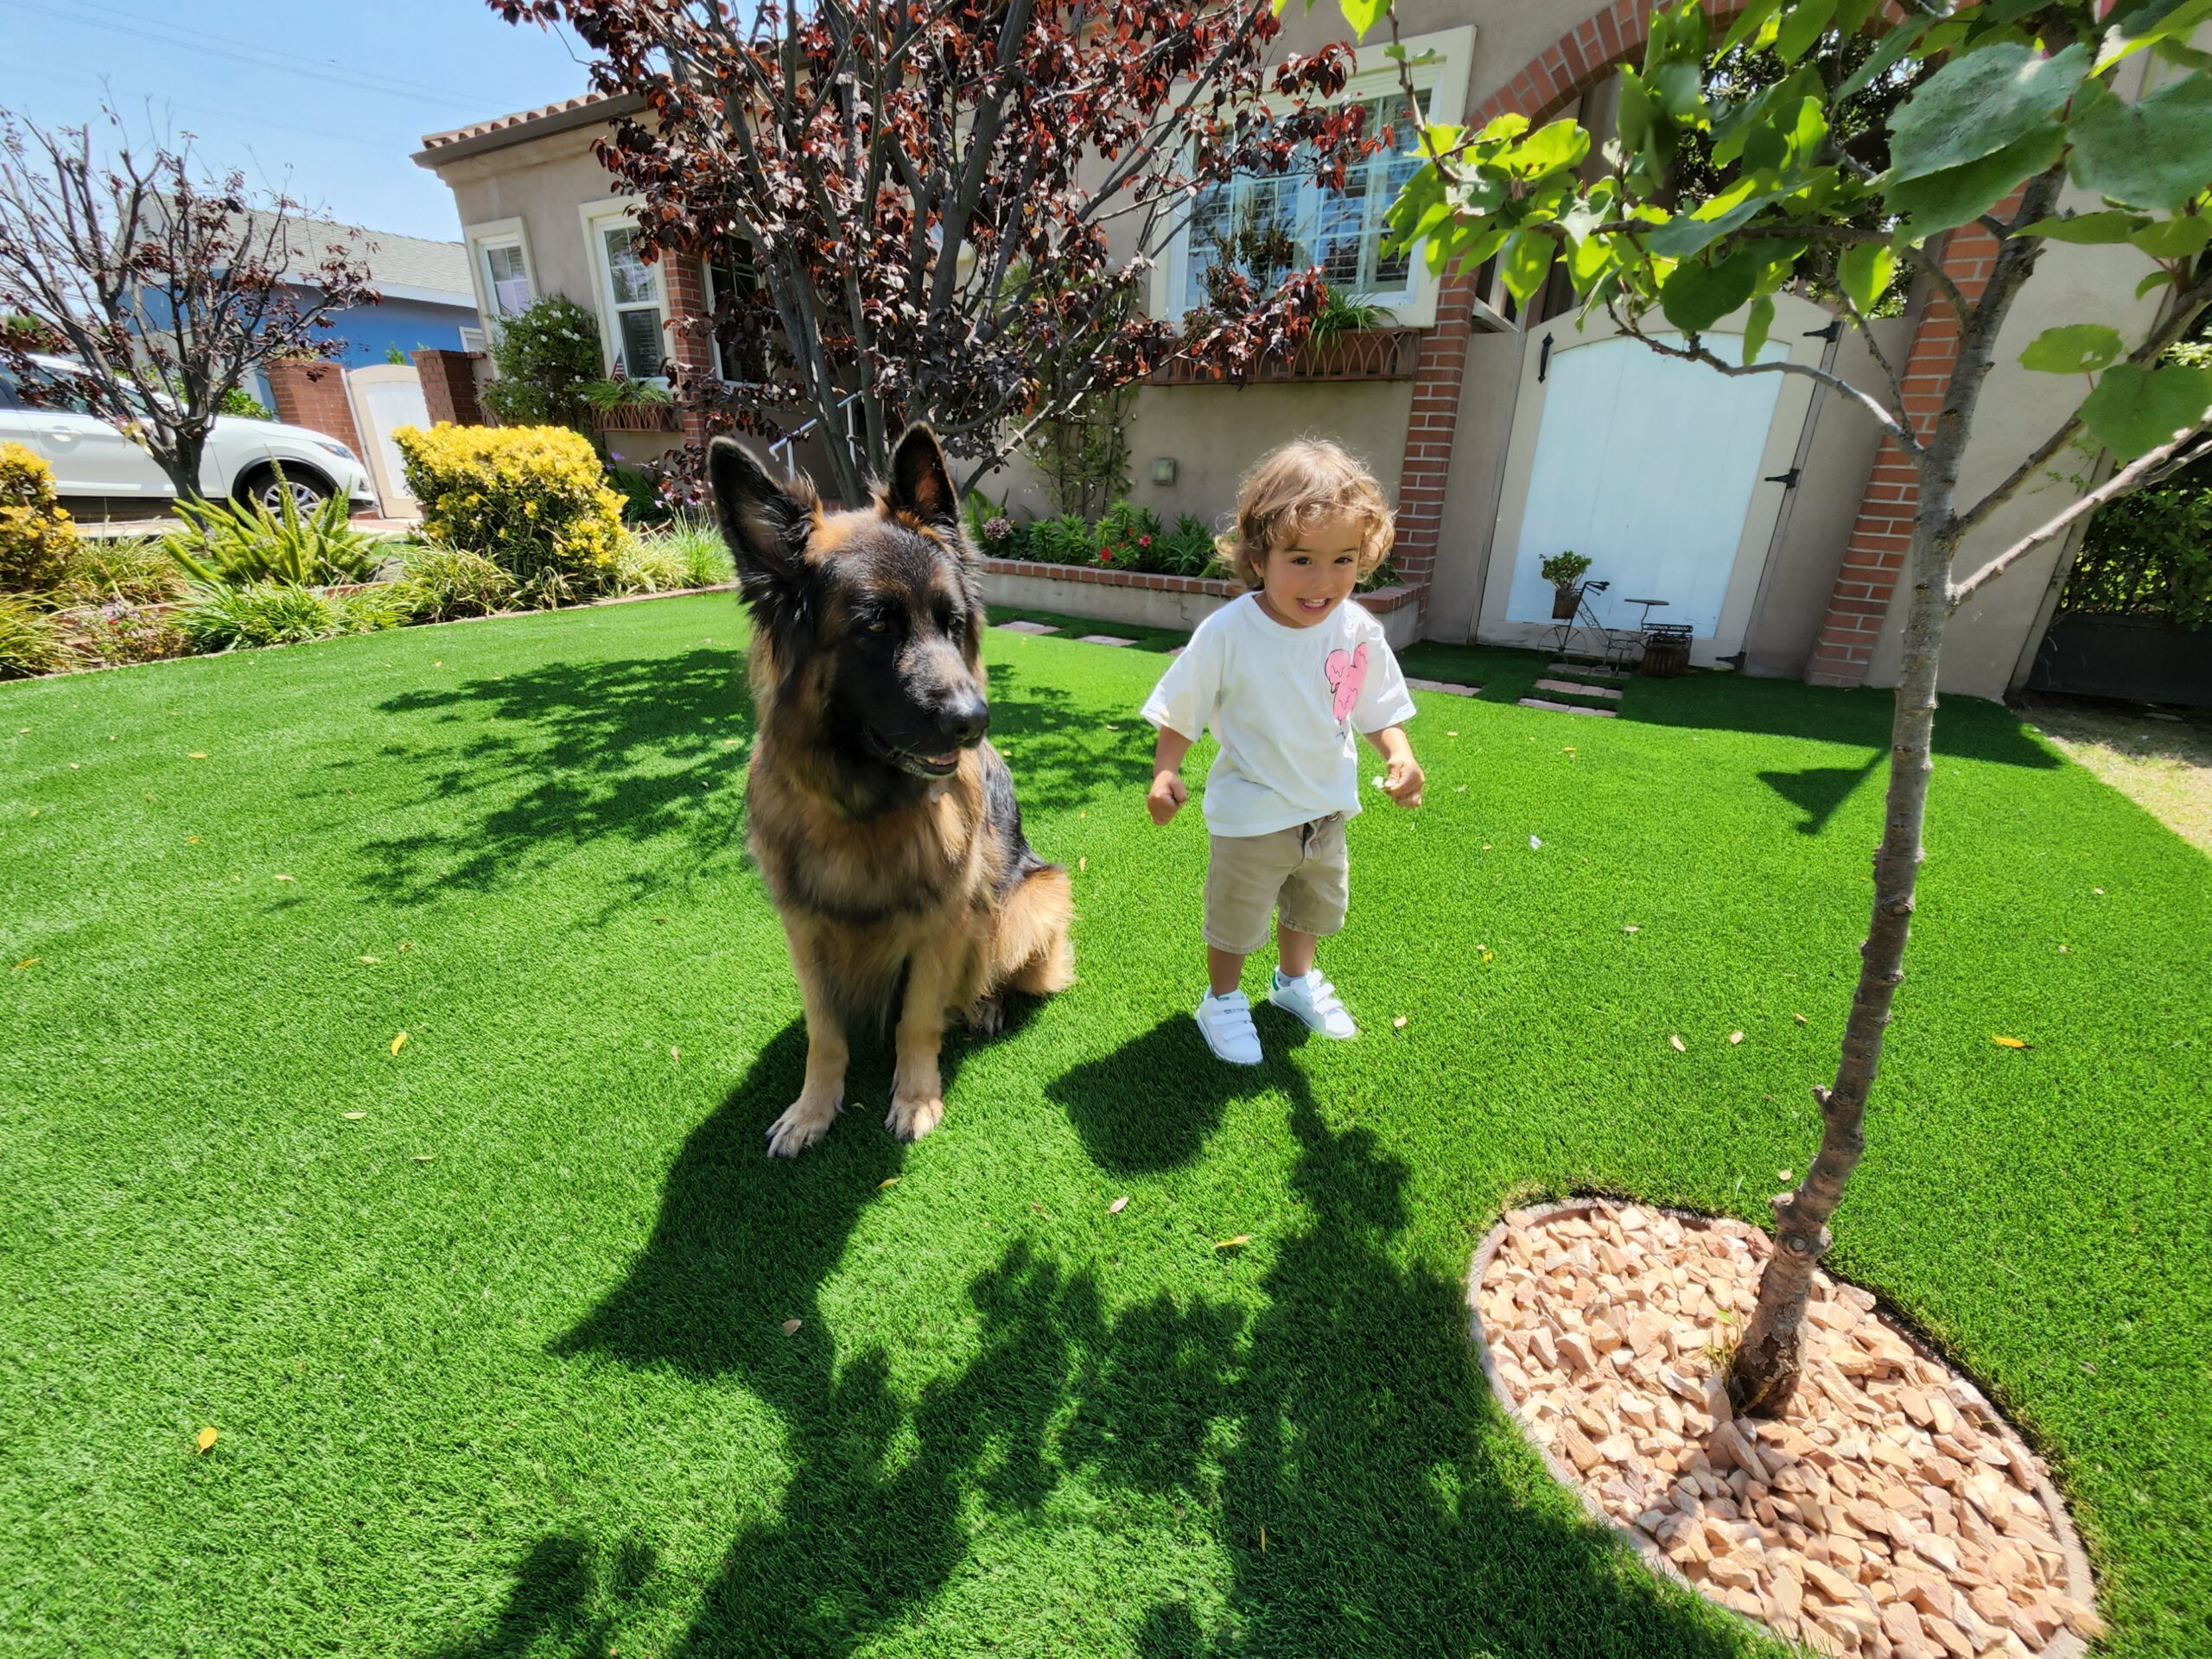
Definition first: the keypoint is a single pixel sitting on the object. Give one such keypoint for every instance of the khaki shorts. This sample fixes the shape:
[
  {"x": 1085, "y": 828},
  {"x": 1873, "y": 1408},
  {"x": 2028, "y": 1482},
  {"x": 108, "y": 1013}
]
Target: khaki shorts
[{"x": 1303, "y": 874}]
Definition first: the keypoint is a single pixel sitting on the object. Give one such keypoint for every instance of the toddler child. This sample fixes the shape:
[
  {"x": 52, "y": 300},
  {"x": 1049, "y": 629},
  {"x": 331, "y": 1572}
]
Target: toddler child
[{"x": 1284, "y": 675}]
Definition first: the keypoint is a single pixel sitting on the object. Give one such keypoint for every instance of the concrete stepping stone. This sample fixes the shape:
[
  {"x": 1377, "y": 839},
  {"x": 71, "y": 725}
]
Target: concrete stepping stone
[
  {"x": 1576, "y": 689},
  {"x": 1026, "y": 627},
  {"x": 1452, "y": 686},
  {"x": 1566, "y": 708},
  {"x": 1179, "y": 650},
  {"x": 1587, "y": 670},
  {"x": 1103, "y": 639}
]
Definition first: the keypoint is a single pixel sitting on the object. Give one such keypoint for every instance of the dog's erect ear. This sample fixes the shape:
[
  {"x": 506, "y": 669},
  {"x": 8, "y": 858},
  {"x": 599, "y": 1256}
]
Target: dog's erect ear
[
  {"x": 920, "y": 483},
  {"x": 765, "y": 523}
]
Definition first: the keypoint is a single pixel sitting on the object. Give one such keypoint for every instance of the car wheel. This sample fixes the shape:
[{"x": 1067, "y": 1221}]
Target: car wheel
[{"x": 265, "y": 486}]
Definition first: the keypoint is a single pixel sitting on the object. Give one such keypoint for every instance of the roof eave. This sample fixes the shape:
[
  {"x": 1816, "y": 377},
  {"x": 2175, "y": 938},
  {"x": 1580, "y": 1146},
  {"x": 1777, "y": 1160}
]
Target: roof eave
[{"x": 520, "y": 132}]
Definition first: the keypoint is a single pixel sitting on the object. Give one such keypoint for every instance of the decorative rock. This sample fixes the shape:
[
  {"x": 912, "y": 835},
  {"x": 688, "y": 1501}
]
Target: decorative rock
[
  {"x": 1891, "y": 1513},
  {"x": 1103, "y": 639},
  {"x": 1026, "y": 627}
]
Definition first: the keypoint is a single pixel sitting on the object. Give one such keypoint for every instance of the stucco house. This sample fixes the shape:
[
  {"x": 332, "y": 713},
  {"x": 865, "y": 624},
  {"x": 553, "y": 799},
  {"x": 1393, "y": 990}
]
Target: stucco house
[{"x": 1759, "y": 509}]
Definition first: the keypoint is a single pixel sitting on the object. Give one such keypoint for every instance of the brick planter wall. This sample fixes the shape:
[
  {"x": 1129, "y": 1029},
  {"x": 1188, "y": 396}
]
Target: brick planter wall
[{"x": 1096, "y": 592}]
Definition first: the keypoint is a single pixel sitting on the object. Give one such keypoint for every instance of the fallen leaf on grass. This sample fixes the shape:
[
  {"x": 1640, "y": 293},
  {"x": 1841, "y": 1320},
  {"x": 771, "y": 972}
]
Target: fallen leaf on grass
[
  {"x": 790, "y": 1326},
  {"x": 371, "y": 961},
  {"x": 1236, "y": 1243},
  {"x": 399, "y": 1042},
  {"x": 409, "y": 946},
  {"x": 1082, "y": 864},
  {"x": 1735, "y": 1037},
  {"x": 353, "y": 1118},
  {"x": 74, "y": 766},
  {"x": 1785, "y": 1175},
  {"x": 1458, "y": 789},
  {"x": 1038, "y": 1207},
  {"x": 1263, "y": 1541},
  {"x": 424, "y": 1157},
  {"x": 1534, "y": 843},
  {"x": 2099, "y": 892},
  {"x": 1400, "y": 1022},
  {"x": 1486, "y": 955},
  {"x": 1677, "y": 1045},
  {"x": 192, "y": 841},
  {"x": 1113, "y": 728},
  {"x": 197, "y": 754},
  {"x": 894, "y": 1181},
  {"x": 24, "y": 963},
  {"x": 1799, "y": 1018},
  {"x": 1117, "y": 1206},
  {"x": 2010, "y": 1042},
  {"x": 205, "y": 1439},
  {"x": 1450, "y": 733},
  {"x": 287, "y": 878},
  {"x": 1630, "y": 927},
  {"x": 675, "y": 1052}
]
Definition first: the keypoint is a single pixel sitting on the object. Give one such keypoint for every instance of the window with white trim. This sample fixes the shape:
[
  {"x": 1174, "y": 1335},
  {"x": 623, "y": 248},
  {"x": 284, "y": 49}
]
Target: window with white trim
[
  {"x": 1340, "y": 231},
  {"x": 636, "y": 314},
  {"x": 506, "y": 279}
]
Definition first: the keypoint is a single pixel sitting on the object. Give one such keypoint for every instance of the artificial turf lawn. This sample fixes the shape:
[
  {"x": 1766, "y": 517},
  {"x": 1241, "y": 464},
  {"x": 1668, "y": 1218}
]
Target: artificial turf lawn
[{"x": 533, "y": 1395}]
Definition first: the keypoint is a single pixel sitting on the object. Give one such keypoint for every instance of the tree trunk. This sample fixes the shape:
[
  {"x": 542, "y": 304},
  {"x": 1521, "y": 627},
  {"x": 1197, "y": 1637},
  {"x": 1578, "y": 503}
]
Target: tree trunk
[{"x": 1763, "y": 1375}]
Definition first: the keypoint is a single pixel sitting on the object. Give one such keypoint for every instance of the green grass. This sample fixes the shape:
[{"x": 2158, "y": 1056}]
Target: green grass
[{"x": 533, "y": 1396}]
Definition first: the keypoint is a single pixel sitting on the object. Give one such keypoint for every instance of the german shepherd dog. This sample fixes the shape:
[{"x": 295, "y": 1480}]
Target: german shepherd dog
[{"x": 884, "y": 825}]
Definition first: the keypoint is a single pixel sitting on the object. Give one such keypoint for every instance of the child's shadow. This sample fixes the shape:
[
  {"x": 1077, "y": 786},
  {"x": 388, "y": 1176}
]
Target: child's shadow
[{"x": 1154, "y": 1102}]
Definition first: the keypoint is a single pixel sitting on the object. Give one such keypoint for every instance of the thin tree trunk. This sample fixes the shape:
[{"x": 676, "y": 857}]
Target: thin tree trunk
[{"x": 1764, "y": 1374}]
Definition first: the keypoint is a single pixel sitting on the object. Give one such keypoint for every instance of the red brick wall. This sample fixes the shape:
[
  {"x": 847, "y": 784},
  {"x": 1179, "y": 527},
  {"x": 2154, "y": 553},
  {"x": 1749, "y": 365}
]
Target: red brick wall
[
  {"x": 684, "y": 282},
  {"x": 449, "y": 385},
  {"x": 312, "y": 395},
  {"x": 1874, "y": 558}
]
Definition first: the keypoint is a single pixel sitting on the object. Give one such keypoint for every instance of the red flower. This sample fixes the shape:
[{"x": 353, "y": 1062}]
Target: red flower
[
  {"x": 1144, "y": 541},
  {"x": 1105, "y": 555}
]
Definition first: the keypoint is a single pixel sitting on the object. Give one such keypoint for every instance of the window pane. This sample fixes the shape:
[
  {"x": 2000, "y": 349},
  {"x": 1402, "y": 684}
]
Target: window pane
[
  {"x": 641, "y": 343},
  {"x": 631, "y": 277},
  {"x": 509, "y": 281}
]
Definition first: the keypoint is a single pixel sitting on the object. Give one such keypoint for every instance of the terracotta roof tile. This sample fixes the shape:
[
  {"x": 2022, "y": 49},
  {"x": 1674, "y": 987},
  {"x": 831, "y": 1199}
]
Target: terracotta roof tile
[{"x": 520, "y": 117}]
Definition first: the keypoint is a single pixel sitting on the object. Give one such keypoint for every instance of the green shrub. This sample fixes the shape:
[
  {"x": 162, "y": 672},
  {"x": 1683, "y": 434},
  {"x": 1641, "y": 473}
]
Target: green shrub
[
  {"x": 546, "y": 355},
  {"x": 244, "y": 406},
  {"x": 220, "y": 616},
  {"x": 1188, "y": 550},
  {"x": 30, "y": 641},
  {"x": 640, "y": 489},
  {"x": 1129, "y": 536},
  {"x": 649, "y": 565},
  {"x": 699, "y": 548},
  {"x": 1067, "y": 539},
  {"x": 127, "y": 570},
  {"x": 243, "y": 542},
  {"x": 533, "y": 500},
  {"x": 36, "y": 537},
  {"x": 441, "y": 583},
  {"x": 2148, "y": 555}
]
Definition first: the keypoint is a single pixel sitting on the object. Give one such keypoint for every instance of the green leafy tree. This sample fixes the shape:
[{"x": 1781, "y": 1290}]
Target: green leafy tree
[{"x": 2008, "y": 102}]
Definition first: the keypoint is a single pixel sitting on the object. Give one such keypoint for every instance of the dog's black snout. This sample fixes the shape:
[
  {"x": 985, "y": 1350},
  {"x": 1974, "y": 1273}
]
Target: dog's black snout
[{"x": 965, "y": 719}]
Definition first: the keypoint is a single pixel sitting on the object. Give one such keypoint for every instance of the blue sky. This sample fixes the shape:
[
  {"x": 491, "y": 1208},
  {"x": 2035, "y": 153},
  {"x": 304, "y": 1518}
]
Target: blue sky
[{"x": 339, "y": 92}]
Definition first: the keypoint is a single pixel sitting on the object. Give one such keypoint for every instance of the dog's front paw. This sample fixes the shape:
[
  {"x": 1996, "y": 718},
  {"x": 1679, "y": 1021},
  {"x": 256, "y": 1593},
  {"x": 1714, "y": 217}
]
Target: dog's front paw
[
  {"x": 913, "y": 1116},
  {"x": 803, "y": 1122}
]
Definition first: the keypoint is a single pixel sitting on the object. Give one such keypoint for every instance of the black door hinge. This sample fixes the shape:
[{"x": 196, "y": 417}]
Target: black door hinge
[
  {"x": 1788, "y": 481},
  {"x": 1544, "y": 361}
]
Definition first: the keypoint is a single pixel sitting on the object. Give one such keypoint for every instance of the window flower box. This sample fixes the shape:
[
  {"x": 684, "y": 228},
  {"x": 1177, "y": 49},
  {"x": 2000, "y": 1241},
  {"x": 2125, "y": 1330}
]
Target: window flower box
[{"x": 1363, "y": 354}]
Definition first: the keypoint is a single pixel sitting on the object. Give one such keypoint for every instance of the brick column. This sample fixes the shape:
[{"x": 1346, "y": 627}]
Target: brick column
[
  {"x": 1427, "y": 466},
  {"x": 449, "y": 385},
  {"x": 1874, "y": 558},
  {"x": 690, "y": 343},
  {"x": 313, "y": 394}
]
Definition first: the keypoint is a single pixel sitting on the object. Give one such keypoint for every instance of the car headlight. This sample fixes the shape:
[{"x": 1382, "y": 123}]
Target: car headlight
[{"x": 335, "y": 449}]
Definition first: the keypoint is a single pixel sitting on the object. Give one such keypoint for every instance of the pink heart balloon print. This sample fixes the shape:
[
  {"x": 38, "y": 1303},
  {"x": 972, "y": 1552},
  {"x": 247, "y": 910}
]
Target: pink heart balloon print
[{"x": 1346, "y": 675}]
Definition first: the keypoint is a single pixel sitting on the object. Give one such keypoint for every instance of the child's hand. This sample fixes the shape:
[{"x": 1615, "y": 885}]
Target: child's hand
[
  {"x": 1167, "y": 797},
  {"x": 1403, "y": 780}
]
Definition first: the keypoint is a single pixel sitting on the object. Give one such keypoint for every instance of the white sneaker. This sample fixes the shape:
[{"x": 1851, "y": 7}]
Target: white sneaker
[
  {"x": 1313, "y": 999},
  {"x": 1226, "y": 1023}
]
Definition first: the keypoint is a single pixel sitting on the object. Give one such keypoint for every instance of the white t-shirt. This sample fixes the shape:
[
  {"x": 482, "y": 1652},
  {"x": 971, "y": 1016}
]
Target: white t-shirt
[{"x": 1284, "y": 703}]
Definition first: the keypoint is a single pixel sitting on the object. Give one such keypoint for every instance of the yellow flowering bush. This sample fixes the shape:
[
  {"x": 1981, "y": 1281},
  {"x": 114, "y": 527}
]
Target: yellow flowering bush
[
  {"x": 36, "y": 537},
  {"x": 533, "y": 500}
]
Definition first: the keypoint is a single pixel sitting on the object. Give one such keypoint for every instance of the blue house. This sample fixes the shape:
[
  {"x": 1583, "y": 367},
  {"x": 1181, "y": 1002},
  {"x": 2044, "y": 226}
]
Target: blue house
[{"x": 428, "y": 299}]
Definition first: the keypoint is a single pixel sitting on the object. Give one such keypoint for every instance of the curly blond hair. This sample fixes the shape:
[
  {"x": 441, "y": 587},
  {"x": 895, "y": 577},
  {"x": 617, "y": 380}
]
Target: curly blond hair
[{"x": 1292, "y": 489}]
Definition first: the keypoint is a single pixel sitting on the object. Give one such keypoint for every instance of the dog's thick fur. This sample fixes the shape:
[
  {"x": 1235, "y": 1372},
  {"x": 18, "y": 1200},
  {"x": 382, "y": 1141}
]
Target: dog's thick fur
[{"x": 884, "y": 825}]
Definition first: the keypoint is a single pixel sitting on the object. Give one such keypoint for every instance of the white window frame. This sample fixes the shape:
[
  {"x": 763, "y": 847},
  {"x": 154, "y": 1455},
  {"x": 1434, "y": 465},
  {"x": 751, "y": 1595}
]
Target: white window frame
[
  {"x": 1444, "y": 78},
  {"x": 481, "y": 239},
  {"x": 617, "y": 212}
]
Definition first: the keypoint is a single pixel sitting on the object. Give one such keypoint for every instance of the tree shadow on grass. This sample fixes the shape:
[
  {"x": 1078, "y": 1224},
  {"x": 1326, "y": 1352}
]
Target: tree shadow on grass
[
  {"x": 1818, "y": 791},
  {"x": 517, "y": 768},
  {"x": 1338, "y": 1448},
  {"x": 1057, "y": 746}
]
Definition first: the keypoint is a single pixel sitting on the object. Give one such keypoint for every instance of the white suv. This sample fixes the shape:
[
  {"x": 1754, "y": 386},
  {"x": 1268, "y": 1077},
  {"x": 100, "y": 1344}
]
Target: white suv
[{"x": 92, "y": 461}]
